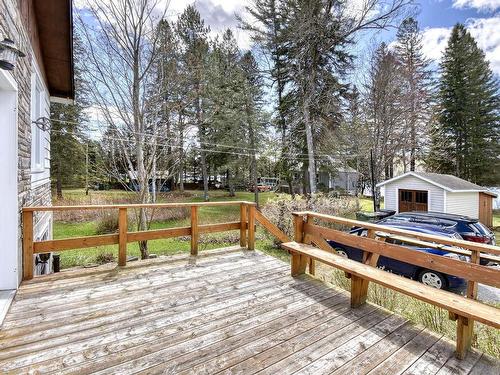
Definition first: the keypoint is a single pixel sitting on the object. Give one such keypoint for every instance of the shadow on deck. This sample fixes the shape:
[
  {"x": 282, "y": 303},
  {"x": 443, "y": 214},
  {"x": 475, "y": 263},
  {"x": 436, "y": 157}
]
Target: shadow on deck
[{"x": 228, "y": 310}]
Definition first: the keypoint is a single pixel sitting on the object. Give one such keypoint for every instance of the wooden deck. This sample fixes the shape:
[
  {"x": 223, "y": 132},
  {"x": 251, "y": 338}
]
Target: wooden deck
[{"x": 229, "y": 311}]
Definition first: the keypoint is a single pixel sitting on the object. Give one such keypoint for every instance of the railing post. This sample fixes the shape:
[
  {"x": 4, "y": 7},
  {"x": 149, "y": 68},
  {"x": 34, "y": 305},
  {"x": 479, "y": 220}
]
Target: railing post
[
  {"x": 122, "y": 236},
  {"x": 27, "y": 245},
  {"x": 299, "y": 261},
  {"x": 465, "y": 326},
  {"x": 307, "y": 240},
  {"x": 243, "y": 222},
  {"x": 251, "y": 227},
  {"x": 194, "y": 230}
]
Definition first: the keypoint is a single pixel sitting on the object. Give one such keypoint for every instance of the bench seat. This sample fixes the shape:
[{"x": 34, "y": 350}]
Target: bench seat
[{"x": 451, "y": 302}]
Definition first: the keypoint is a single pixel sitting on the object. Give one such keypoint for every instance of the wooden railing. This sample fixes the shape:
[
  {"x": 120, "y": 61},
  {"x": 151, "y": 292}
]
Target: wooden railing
[
  {"x": 246, "y": 224},
  {"x": 310, "y": 228}
]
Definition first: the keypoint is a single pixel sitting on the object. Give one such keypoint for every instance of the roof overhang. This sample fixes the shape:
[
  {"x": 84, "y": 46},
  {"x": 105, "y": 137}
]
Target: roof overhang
[{"x": 55, "y": 33}]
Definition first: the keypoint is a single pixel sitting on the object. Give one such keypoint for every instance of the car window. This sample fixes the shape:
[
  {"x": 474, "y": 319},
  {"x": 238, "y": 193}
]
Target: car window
[
  {"x": 479, "y": 228},
  {"x": 446, "y": 223}
]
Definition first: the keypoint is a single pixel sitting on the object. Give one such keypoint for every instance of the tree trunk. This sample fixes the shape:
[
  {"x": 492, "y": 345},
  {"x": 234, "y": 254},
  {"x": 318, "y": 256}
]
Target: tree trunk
[
  {"x": 181, "y": 153},
  {"x": 310, "y": 146},
  {"x": 142, "y": 177},
  {"x": 253, "y": 164},
  {"x": 59, "y": 182},
  {"x": 201, "y": 136}
]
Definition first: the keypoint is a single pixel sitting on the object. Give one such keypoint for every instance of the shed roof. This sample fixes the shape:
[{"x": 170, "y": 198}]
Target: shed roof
[{"x": 445, "y": 181}]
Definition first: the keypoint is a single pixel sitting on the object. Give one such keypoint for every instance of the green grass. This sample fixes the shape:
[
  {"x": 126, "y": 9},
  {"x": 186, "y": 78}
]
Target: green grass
[
  {"x": 210, "y": 214},
  {"x": 366, "y": 204},
  {"x": 496, "y": 224}
]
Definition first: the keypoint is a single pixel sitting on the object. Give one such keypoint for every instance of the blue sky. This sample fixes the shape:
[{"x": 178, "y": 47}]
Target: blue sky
[
  {"x": 436, "y": 18},
  {"x": 434, "y": 13}
]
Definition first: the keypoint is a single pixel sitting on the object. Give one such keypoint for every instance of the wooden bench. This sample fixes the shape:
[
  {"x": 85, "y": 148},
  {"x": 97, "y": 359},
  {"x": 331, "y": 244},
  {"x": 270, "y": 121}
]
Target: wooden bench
[{"x": 464, "y": 310}]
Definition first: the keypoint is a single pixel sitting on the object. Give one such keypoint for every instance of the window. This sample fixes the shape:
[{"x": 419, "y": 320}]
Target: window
[
  {"x": 405, "y": 195},
  {"x": 37, "y": 136},
  {"x": 421, "y": 197}
]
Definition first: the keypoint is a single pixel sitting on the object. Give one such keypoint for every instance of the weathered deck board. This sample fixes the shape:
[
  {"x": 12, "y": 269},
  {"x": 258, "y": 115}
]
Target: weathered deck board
[{"x": 228, "y": 311}]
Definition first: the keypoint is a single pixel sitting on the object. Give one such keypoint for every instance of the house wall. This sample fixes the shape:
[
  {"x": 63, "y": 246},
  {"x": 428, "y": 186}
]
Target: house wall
[
  {"x": 32, "y": 187},
  {"x": 463, "y": 204},
  {"x": 435, "y": 194}
]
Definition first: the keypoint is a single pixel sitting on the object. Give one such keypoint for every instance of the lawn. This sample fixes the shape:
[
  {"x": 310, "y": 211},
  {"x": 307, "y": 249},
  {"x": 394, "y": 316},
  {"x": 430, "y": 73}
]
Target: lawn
[
  {"x": 89, "y": 256},
  {"x": 496, "y": 224}
]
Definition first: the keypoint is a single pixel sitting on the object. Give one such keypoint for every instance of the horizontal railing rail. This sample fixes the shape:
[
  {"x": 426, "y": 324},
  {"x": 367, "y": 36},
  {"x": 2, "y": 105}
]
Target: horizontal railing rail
[
  {"x": 472, "y": 246},
  {"x": 309, "y": 229},
  {"x": 246, "y": 224}
]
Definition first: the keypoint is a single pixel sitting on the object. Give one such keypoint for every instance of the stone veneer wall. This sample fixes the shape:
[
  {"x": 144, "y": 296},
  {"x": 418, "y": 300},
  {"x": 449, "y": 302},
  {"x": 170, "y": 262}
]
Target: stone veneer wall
[{"x": 11, "y": 26}]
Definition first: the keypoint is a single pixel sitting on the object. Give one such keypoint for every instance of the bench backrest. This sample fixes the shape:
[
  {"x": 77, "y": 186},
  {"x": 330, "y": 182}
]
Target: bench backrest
[{"x": 318, "y": 227}]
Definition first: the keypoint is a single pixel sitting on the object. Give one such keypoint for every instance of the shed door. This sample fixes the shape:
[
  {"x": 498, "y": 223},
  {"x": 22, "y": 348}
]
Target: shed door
[
  {"x": 412, "y": 200},
  {"x": 486, "y": 209}
]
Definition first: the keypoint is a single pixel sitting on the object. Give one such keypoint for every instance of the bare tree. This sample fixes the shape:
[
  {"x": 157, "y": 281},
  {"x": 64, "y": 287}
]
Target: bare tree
[{"x": 121, "y": 47}]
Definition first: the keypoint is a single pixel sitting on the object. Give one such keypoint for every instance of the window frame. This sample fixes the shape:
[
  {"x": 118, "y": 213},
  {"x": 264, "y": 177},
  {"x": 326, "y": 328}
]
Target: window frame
[{"x": 37, "y": 134}]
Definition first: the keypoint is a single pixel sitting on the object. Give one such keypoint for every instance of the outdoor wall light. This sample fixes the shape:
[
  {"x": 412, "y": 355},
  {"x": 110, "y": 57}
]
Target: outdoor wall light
[{"x": 9, "y": 54}]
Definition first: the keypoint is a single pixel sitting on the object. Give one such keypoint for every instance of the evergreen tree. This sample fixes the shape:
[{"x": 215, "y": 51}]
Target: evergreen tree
[
  {"x": 466, "y": 136},
  {"x": 193, "y": 35},
  {"x": 384, "y": 112},
  {"x": 254, "y": 119},
  {"x": 66, "y": 136},
  {"x": 415, "y": 74}
]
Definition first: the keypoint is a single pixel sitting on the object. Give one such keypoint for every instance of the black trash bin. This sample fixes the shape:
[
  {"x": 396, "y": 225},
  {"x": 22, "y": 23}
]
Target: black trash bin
[
  {"x": 373, "y": 217},
  {"x": 56, "y": 262}
]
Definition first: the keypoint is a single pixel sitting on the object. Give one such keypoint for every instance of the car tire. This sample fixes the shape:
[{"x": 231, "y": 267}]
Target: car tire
[{"x": 432, "y": 278}]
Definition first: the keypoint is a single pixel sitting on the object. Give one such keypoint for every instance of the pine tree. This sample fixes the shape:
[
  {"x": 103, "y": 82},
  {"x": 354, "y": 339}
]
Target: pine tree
[
  {"x": 465, "y": 139},
  {"x": 193, "y": 35},
  {"x": 253, "y": 112},
  {"x": 384, "y": 112},
  {"x": 66, "y": 135},
  {"x": 415, "y": 73}
]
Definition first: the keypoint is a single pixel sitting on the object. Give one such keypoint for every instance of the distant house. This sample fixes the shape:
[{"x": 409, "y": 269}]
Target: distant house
[
  {"x": 418, "y": 191},
  {"x": 42, "y": 30},
  {"x": 344, "y": 179}
]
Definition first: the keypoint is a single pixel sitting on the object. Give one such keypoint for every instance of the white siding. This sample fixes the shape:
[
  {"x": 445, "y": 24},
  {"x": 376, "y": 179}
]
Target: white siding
[
  {"x": 463, "y": 204},
  {"x": 435, "y": 194}
]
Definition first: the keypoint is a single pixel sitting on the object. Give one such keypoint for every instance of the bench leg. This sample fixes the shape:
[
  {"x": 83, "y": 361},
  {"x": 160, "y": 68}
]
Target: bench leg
[
  {"x": 312, "y": 267},
  {"x": 359, "y": 291},
  {"x": 465, "y": 328},
  {"x": 299, "y": 263}
]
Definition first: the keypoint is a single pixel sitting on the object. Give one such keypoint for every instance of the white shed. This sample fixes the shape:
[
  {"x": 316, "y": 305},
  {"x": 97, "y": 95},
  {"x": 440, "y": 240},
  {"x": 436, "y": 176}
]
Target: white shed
[{"x": 419, "y": 191}]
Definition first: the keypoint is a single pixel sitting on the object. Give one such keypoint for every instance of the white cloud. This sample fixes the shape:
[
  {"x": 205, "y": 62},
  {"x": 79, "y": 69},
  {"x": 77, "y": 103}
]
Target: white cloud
[
  {"x": 484, "y": 5},
  {"x": 484, "y": 30},
  {"x": 218, "y": 14}
]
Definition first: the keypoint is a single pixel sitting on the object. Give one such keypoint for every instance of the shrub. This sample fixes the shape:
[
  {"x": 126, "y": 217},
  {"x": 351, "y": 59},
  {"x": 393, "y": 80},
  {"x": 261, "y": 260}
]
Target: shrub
[
  {"x": 107, "y": 223},
  {"x": 104, "y": 258},
  {"x": 279, "y": 210}
]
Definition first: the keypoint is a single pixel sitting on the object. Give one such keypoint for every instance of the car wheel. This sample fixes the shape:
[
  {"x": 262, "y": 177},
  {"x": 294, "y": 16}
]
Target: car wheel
[
  {"x": 432, "y": 278},
  {"x": 342, "y": 253}
]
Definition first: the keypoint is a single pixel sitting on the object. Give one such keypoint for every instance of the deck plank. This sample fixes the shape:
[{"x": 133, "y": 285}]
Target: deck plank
[
  {"x": 370, "y": 358},
  {"x": 228, "y": 311},
  {"x": 432, "y": 361}
]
